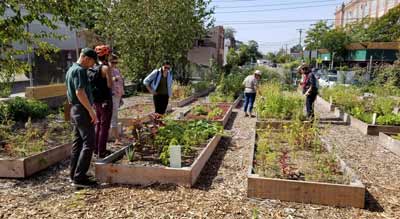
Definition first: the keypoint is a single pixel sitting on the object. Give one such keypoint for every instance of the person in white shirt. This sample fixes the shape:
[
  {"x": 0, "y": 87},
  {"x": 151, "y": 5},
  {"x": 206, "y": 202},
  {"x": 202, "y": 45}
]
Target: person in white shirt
[{"x": 251, "y": 85}]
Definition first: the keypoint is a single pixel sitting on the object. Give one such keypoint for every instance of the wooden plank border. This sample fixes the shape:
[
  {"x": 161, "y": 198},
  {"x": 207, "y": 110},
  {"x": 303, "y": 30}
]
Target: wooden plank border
[
  {"x": 368, "y": 129},
  {"x": 325, "y": 104},
  {"x": 25, "y": 167},
  {"x": 352, "y": 195},
  {"x": 109, "y": 172},
  {"x": 390, "y": 143},
  {"x": 222, "y": 121}
]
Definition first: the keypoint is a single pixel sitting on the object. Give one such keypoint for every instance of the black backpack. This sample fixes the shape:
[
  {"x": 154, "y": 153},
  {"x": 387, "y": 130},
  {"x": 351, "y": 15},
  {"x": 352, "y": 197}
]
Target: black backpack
[{"x": 94, "y": 75}]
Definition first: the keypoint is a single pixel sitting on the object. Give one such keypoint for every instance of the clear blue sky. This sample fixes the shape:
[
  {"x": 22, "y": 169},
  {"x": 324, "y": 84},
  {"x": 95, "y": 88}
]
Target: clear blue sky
[{"x": 272, "y": 35}]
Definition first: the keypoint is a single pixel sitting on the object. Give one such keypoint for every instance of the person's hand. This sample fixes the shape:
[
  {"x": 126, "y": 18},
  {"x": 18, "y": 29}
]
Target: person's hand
[
  {"x": 93, "y": 116},
  {"x": 153, "y": 92},
  {"x": 306, "y": 94}
]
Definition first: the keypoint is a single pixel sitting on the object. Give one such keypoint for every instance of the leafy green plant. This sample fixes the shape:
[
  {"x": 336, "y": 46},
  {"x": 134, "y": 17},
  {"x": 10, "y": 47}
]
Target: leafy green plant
[
  {"x": 130, "y": 153},
  {"x": 20, "y": 109},
  {"x": 279, "y": 104},
  {"x": 215, "y": 112},
  {"x": 201, "y": 86},
  {"x": 200, "y": 110}
]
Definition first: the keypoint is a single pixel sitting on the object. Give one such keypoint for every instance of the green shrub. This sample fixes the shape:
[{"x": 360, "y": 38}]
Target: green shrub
[
  {"x": 20, "y": 109},
  {"x": 279, "y": 104},
  {"x": 201, "y": 86}
]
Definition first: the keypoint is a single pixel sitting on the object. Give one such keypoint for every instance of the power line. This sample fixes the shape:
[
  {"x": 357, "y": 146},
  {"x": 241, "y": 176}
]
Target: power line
[
  {"x": 275, "y": 9},
  {"x": 278, "y": 4}
]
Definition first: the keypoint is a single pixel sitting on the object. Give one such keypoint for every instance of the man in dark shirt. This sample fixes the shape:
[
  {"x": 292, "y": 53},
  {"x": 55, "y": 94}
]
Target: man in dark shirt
[
  {"x": 83, "y": 117},
  {"x": 310, "y": 89}
]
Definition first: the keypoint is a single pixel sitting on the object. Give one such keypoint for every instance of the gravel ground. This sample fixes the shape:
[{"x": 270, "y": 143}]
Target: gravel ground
[{"x": 219, "y": 193}]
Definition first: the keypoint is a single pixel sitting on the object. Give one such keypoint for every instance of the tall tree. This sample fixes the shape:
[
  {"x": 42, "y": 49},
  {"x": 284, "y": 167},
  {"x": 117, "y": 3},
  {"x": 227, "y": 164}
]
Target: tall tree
[
  {"x": 315, "y": 34},
  {"x": 230, "y": 34},
  {"x": 386, "y": 28},
  {"x": 335, "y": 41},
  {"x": 253, "y": 50},
  {"x": 148, "y": 31}
]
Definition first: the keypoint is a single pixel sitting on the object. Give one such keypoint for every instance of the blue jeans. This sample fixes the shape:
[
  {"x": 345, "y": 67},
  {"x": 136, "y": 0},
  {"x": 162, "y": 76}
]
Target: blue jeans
[{"x": 249, "y": 99}]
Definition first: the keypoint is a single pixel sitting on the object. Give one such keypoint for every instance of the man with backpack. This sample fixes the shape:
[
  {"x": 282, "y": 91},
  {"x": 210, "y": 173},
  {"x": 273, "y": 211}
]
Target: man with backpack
[
  {"x": 101, "y": 81},
  {"x": 159, "y": 83},
  {"x": 83, "y": 117}
]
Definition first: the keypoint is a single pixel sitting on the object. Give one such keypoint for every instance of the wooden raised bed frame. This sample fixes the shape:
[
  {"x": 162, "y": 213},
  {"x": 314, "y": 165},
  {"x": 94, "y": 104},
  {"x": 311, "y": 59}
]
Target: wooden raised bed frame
[
  {"x": 352, "y": 195},
  {"x": 109, "y": 172},
  {"x": 325, "y": 104},
  {"x": 365, "y": 128},
  {"x": 228, "y": 114},
  {"x": 390, "y": 143},
  {"x": 25, "y": 167},
  {"x": 192, "y": 98}
]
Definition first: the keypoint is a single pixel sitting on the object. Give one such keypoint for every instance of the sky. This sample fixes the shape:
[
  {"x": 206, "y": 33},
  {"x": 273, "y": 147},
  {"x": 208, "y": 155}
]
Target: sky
[{"x": 272, "y": 23}]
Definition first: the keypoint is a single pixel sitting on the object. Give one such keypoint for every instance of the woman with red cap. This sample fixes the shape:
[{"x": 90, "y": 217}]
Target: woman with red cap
[{"x": 102, "y": 97}]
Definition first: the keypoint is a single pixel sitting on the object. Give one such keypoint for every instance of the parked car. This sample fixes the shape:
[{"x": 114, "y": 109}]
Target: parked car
[{"x": 327, "y": 80}]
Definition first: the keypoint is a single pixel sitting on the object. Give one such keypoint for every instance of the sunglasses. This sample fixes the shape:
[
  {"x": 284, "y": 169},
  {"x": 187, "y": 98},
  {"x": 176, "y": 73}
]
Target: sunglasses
[
  {"x": 114, "y": 62},
  {"x": 167, "y": 67}
]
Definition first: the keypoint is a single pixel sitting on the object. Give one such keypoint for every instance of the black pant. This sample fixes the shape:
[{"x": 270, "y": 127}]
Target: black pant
[
  {"x": 160, "y": 103},
  {"x": 83, "y": 145},
  {"x": 310, "y": 105}
]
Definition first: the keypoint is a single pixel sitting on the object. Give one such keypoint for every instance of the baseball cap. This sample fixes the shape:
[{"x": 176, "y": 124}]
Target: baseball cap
[
  {"x": 258, "y": 72},
  {"x": 90, "y": 53}
]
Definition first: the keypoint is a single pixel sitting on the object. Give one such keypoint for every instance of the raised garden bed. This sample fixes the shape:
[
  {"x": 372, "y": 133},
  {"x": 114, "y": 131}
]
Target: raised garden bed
[
  {"x": 305, "y": 171},
  {"x": 360, "y": 110},
  {"x": 390, "y": 141},
  {"x": 186, "y": 101},
  {"x": 137, "y": 112},
  {"x": 325, "y": 104},
  {"x": 26, "y": 149},
  {"x": 218, "y": 112},
  {"x": 144, "y": 162}
]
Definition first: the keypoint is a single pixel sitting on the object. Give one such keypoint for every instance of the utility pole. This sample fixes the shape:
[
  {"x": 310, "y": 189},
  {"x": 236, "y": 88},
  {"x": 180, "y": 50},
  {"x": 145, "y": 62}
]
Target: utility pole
[
  {"x": 302, "y": 53},
  {"x": 286, "y": 48},
  {"x": 300, "y": 32}
]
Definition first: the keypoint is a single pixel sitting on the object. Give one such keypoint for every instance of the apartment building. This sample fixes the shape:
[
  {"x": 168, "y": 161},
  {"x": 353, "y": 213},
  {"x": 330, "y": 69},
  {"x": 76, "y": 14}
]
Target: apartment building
[
  {"x": 355, "y": 10},
  {"x": 211, "y": 47}
]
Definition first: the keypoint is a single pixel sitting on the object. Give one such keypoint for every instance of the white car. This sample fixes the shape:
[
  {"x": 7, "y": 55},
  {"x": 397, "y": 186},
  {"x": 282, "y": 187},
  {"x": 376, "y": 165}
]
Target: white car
[{"x": 327, "y": 80}]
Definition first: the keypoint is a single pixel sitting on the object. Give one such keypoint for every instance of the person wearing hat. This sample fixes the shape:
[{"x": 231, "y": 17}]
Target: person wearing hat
[
  {"x": 102, "y": 98},
  {"x": 309, "y": 87},
  {"x": 250, "y": 83},
  {"x": 83, "y": 117}
]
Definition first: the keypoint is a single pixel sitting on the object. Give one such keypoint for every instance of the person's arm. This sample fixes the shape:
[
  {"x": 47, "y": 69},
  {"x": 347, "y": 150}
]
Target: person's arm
[
  {"x": 84, "y": 100},
  {"x": 147, "y": 81},
  {"x": 312, "y": 86},
  {"x": 106, "y": 72}
]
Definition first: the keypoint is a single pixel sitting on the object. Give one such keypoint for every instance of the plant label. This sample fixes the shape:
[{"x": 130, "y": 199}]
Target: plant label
[{"x": 175, "y": 156}]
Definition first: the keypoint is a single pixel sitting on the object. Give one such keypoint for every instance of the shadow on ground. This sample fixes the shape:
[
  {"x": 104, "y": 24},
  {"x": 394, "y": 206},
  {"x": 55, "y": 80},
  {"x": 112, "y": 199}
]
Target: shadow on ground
[{"x": 371, "y": 204}]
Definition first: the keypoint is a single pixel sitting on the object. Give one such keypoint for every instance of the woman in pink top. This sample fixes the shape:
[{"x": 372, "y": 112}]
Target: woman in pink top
[{"x": 117, "y": 92}]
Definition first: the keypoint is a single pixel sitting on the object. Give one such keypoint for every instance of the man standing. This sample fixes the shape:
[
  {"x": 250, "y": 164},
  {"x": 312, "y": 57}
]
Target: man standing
[
  {"x": 83, "y": 117},
  {"x": 159, "y": 83},
  {"x": 250, "y": 83},
  {"x": 310, "y": 89}
]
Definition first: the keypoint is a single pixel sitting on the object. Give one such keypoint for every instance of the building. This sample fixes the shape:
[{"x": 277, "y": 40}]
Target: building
[
  {"x": 355, "y": 10},
  {"x": 211, "y": 47},
  {"x": 44, "y": 71}
]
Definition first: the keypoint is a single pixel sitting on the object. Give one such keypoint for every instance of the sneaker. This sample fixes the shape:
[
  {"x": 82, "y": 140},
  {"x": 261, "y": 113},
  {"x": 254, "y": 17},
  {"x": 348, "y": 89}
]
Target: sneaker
[
  {"x": 252, "y": 116},
  {"x": 246, "y": 115},
  {"x": 87, "y": 183}
]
